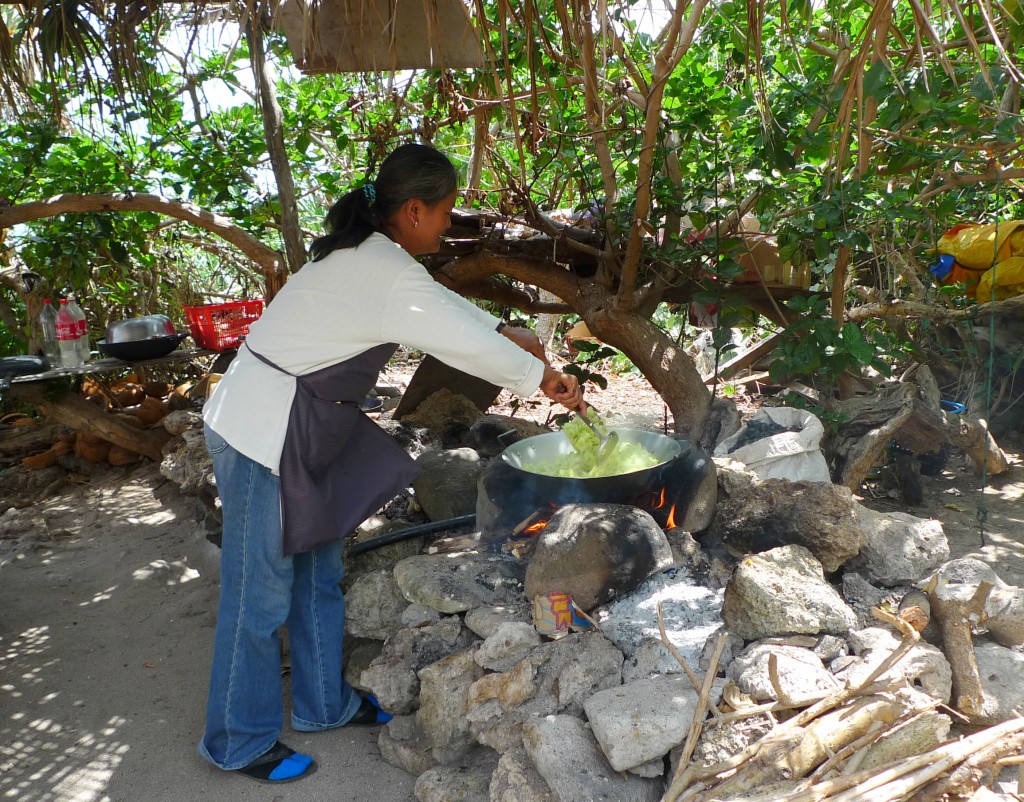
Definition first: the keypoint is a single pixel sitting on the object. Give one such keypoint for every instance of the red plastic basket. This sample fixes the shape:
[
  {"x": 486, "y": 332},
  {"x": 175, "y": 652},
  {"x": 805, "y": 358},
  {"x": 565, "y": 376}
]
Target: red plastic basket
[{"x": 222, "y": 326}]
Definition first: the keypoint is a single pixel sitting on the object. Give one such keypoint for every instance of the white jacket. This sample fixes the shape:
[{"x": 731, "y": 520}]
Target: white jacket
[{"x": 337, "y": 308}]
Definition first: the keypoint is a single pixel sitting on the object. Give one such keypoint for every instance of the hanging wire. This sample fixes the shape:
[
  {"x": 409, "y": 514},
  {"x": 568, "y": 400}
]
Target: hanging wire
[{"x": 982, "y": 513}]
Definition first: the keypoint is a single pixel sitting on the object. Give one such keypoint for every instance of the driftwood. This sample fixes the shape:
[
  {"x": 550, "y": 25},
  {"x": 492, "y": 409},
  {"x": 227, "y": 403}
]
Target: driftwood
[
  {"x": 893, "y": 413},
  {"x": 74, "y": 411},
  {"x": 816, "y": 756},
  {"x": 957, "y": 614},
  {"x": 909, "y": 416}
]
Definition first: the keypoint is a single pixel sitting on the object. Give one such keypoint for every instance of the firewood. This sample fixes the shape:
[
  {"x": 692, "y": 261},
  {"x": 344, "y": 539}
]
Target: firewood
[{"x": 956, "y": 616}]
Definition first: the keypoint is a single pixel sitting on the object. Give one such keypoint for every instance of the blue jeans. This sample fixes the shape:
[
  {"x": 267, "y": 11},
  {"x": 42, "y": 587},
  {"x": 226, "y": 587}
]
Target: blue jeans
[{"x": 261, "y": 590}]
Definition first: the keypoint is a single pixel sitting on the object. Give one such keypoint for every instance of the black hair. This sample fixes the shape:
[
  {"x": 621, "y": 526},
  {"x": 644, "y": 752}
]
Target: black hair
[{"x": 409, "y": 171}]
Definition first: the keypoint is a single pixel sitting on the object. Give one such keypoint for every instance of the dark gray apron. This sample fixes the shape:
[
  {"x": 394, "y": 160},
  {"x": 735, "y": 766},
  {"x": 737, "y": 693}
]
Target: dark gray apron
[{"x": 338, "y": 467}]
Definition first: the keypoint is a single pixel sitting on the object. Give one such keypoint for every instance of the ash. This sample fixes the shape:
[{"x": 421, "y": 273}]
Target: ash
[{"x": 689, "y": 610}]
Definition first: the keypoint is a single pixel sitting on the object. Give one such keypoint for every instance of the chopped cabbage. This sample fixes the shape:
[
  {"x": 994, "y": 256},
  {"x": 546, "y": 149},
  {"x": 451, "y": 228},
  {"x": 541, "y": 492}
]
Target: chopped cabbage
[{"x": 582, "y": 462}]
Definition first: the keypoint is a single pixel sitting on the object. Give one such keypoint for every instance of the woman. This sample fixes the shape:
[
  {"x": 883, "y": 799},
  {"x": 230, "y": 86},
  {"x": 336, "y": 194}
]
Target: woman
[{"x": 298, "y": 466}]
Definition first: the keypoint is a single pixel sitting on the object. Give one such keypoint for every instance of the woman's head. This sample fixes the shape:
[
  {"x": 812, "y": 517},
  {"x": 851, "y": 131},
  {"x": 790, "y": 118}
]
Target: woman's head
[{"x": 413, "y": 181}]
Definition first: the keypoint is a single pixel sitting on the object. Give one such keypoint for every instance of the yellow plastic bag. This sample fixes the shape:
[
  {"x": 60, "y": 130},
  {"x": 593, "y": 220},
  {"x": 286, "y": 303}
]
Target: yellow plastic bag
[
  {"x": 1009, "y": 280},
  {"x": 978, "y": 247}
]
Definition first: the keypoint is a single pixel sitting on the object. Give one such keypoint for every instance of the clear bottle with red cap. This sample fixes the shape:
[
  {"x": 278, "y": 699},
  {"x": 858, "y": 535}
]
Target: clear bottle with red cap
[{"x": 67, "y": 337}]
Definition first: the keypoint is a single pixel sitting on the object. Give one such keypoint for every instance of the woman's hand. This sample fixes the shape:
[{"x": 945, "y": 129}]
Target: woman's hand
[
  {"x": 526, "y": 340},
  {"x": 563, "y": 388}
]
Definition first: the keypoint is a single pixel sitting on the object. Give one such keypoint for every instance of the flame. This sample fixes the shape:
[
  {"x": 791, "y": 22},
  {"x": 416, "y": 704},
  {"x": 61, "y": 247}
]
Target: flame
[
  {"x": 671, "y": 522},
  {"x": 660, "y": 502},
  {"x": 532, "y": 529}
]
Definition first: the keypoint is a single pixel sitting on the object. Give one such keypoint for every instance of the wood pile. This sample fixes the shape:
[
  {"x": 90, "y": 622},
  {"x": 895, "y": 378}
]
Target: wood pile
[
  {"x": 118, "y": 424},
  {"x": 814, "y": 752}
]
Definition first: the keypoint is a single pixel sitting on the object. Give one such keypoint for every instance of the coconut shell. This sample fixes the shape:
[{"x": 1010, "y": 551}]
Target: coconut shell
[
  {"x": 93, "y": 452},
  {"x": 157, "y": 389},
  {"x": 151, "y": 411},
  {"x": 35, "y": 462},
  {"x": 130, "y": 395},
  {"x": 122, "y": 456},
  {"x": 89, "y": 439}
]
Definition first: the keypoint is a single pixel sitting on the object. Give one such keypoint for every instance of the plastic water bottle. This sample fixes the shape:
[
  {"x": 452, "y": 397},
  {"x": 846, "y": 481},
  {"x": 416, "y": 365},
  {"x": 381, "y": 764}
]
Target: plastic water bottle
[
  {"x": 67, "y": 337},
  {"x": 83, "y": 328},
  {"x": 48, "y": 323}
]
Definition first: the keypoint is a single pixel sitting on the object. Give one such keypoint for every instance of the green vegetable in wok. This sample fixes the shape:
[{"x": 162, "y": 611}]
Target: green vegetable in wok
[{"x": 583, "y": 462}]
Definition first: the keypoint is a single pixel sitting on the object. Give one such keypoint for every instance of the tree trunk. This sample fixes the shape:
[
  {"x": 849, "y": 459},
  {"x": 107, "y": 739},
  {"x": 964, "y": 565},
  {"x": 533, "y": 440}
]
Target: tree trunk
[
  {"x": 272, "y": 130},
  {"x": 669, "y": 369}
]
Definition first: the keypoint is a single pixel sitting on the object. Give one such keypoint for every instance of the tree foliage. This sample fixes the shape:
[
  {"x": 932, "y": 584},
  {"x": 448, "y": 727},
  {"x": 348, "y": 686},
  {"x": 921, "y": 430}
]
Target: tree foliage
[{"x": 856, "y": 133}]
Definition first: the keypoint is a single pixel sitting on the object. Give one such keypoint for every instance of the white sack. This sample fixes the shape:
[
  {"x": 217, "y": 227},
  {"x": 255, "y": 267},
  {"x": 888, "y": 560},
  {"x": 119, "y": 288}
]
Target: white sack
[{"x": 795, "y": 456}]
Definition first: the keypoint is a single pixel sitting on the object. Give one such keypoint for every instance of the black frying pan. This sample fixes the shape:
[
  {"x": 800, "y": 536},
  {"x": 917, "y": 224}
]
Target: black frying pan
[
  {"x": 137, "y": 350},
  {"x": 11, "y": 366}
]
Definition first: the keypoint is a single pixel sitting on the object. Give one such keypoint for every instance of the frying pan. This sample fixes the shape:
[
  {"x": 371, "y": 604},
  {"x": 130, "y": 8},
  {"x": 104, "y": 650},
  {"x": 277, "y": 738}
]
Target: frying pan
[
  {"x": 137, "y": 350},
  {"x": 11, "y": 366}
]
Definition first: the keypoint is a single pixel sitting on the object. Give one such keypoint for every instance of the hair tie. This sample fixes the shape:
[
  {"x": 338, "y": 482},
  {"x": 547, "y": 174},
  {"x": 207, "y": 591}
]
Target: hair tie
[{"x": 370, "y": 192}]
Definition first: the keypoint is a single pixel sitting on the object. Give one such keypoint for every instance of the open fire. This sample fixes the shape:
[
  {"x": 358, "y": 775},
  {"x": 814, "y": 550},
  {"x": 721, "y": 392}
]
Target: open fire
[{"x": 515, "y": 503}]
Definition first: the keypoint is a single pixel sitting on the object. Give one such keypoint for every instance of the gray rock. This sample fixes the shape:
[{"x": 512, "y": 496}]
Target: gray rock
[
  {"x": 179, "y": 421},
  {"x": 359, "y": 656},
  {"x": 923, "y": 666},
  {"x": 723, "y": 740},
  {"x": 702, "y": 504},
  {"x": 640, "y": 722},
  {"x": 690, "y": 613},
  {"x": 900, "y": 548},
  {"x": 374, "y": 605},
  {"x": 402, "y": 745},
  {"x": 766, "y": 515},
  {"x": 444, "y": 701},
  {"x": 568, "y": 758},
  {"x": 454, "y": 583},
  {"x": 596, "y": 552},
  {"x": 516, "y": 779},
  {"x": 485, "y": 621},
  {"x": 558, "y": 676},
  {"x": 803, "y": 679},
  {"x": 187, "y": 463},
  {"x": 467, "y": 783},
  {"x": 506, "y": 647},
  {"x": 650, "y": 659},
  {"x": 733, "y": 646},
  {"x": 783, "y": 591},
  {"x": 1001, "y": 670},
  {"x": 861, "y": 595},
  {"x": 417, "y": 615},
  {"x": 447, "y": 486},
  {"x": 392, "y": 677},
  {"x": 829, "y": 647},
  {"x": 492, "y": 434}
]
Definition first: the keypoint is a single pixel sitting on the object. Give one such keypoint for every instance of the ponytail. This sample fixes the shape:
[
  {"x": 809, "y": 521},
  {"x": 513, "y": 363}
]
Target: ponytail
[{"x": 410, "y": 171}]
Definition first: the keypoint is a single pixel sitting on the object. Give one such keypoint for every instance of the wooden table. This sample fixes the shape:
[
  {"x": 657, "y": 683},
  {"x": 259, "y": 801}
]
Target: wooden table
[{"x": 73, "y": 410}]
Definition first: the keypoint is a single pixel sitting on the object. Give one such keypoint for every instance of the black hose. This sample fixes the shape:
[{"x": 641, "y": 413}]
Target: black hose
[{"x": 411, "y": 532}]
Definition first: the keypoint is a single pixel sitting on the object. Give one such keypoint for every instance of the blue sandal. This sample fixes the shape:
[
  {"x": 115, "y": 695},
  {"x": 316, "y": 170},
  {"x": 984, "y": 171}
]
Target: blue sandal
[{"x": 278, "y": 765}]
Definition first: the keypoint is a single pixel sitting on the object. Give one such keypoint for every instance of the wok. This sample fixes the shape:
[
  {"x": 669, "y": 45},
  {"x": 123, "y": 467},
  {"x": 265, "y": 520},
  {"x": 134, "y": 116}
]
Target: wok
[
  {"x": 618, "y": 488},
  {"x": 137, "y": 350},
  {"x": 11, "y": 366}
]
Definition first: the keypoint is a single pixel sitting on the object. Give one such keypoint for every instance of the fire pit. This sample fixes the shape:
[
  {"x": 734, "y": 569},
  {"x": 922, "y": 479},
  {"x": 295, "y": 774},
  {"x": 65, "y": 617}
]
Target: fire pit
[{"x": 511, "y": 498}]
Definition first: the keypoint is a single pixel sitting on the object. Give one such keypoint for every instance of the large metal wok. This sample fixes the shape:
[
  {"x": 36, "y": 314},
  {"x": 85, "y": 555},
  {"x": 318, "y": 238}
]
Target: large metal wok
[{"x": 618, "y": 488}]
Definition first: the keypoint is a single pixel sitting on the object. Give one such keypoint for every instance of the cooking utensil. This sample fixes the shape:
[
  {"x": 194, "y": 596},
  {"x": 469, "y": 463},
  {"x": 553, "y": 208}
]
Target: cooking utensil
[
  {"x": 139, "y": 328},
  {"x": 135, "y": 351},
  {"x": 606, "y": 442},
  {"x": 548, "y": 448},
  {"x": 11, "y": 366}
]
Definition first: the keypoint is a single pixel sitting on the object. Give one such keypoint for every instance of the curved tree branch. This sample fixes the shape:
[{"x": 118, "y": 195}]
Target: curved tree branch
[{"x": 269, "y": 261}]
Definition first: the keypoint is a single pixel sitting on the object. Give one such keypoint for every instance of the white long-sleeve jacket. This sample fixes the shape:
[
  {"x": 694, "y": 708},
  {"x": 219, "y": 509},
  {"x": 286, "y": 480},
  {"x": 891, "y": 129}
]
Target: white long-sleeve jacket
[{"x": 337, "y": 308}]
